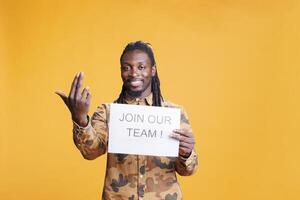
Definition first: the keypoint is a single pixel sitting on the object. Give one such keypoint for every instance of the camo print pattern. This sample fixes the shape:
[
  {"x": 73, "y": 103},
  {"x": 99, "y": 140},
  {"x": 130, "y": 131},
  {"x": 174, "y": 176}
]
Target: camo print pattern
[{"x": 132, "y": 177}]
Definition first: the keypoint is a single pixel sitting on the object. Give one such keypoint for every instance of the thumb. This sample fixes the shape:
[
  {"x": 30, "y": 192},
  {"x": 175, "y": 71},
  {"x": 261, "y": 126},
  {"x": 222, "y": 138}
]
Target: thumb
[{"x": 63, "y": 96}]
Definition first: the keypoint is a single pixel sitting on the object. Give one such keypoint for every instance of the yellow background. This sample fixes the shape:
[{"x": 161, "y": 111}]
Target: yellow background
[{"x": 233, "y": 64}]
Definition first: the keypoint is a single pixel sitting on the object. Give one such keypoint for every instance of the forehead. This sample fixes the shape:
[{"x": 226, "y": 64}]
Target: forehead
[{"x": 136, "y": 56}]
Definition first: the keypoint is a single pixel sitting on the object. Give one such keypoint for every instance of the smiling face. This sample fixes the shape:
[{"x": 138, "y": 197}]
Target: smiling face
[{"x": 137, "y": 72}]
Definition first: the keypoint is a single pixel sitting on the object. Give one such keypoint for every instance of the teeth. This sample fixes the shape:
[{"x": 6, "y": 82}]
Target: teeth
[{"x": 136, "y": 83}]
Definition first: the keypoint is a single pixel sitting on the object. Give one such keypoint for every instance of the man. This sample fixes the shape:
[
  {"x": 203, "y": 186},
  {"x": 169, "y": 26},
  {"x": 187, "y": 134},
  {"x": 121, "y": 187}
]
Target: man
[{"x": 131, "y": 176}]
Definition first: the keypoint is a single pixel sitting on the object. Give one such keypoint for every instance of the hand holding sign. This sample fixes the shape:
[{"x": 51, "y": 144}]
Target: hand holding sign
[
  {"x": 78, "y": 103},
  {"x": 186, "y": 141}
]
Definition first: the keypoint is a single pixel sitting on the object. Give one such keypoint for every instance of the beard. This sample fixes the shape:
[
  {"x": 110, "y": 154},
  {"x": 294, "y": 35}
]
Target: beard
[{"x": 134, "y": 93}]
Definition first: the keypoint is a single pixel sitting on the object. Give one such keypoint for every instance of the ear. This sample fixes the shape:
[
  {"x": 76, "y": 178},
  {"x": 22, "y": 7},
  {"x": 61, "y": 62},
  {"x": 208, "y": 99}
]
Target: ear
[{"x": 153, "y": 70}]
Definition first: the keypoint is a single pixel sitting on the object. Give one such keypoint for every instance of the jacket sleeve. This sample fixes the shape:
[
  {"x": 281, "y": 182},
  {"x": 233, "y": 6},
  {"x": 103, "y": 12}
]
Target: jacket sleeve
[
  {"x": 186, "y": 166},
  {"x": 92, "y": 139}
]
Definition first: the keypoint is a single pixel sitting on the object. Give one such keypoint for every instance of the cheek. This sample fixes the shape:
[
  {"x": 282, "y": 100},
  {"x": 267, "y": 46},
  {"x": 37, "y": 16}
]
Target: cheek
[
  {"x": 147, "y": 73},
  {"x": 124, "y": 75}
]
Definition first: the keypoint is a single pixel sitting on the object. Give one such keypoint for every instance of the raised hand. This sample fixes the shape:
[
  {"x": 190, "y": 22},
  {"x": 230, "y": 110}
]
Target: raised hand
[
  {"x": 186, "y": 141},
  {"x": 77, "y": 102}
]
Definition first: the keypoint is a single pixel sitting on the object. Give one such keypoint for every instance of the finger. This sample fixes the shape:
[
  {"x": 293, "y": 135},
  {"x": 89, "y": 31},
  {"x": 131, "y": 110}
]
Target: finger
[
  {"x": 186, "y": 145},
  {"x": 175, "y": 136},
  {"x": 63, "y": 96},
  {"x": 184, "y": 150},
  {"x": 183, "y": 139},
  {"x": 78, "y": 86},
  {"x": 85, "y": 93},
  {"x": 73, "y": 87},
  {"x": 187, "y": 140},
  {"x": 88, "y": 98},
  {"x": 61, "y": 93},
  {"x": 184, "y": 132}
]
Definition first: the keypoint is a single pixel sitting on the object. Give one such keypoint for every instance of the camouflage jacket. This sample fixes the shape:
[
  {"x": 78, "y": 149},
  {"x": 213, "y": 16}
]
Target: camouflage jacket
[{"x": 131, "y": 177}]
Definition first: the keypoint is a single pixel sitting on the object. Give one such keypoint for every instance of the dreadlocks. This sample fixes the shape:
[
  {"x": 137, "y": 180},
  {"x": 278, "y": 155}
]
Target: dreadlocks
[{"x": 155, "y": 83}]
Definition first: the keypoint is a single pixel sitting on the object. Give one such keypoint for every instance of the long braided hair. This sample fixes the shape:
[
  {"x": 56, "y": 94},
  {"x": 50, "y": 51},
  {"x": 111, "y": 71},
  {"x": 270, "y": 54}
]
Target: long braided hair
[{"x": 155, "y": 83}]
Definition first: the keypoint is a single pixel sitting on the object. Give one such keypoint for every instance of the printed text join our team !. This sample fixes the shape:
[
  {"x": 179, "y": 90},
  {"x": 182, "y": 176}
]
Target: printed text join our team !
[{"x": 141, "y": 118}]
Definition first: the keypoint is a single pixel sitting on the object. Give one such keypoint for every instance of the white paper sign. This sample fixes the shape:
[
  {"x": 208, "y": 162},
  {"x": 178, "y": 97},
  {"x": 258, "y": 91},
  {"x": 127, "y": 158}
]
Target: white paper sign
[{"x": 143, "y": 130}]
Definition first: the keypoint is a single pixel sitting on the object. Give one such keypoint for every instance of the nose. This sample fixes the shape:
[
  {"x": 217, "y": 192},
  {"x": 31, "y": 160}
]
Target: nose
[{"x": 134, "y": 71}]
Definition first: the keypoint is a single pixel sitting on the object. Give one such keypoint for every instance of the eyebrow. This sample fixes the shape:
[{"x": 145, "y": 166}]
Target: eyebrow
[{"x": 130, "y": 64}]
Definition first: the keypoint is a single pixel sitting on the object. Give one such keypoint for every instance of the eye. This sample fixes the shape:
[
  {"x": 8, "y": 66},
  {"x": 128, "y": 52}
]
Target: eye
[
  {"x": 141, "y": 67},
  {"x": 125, "y": 68}
]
